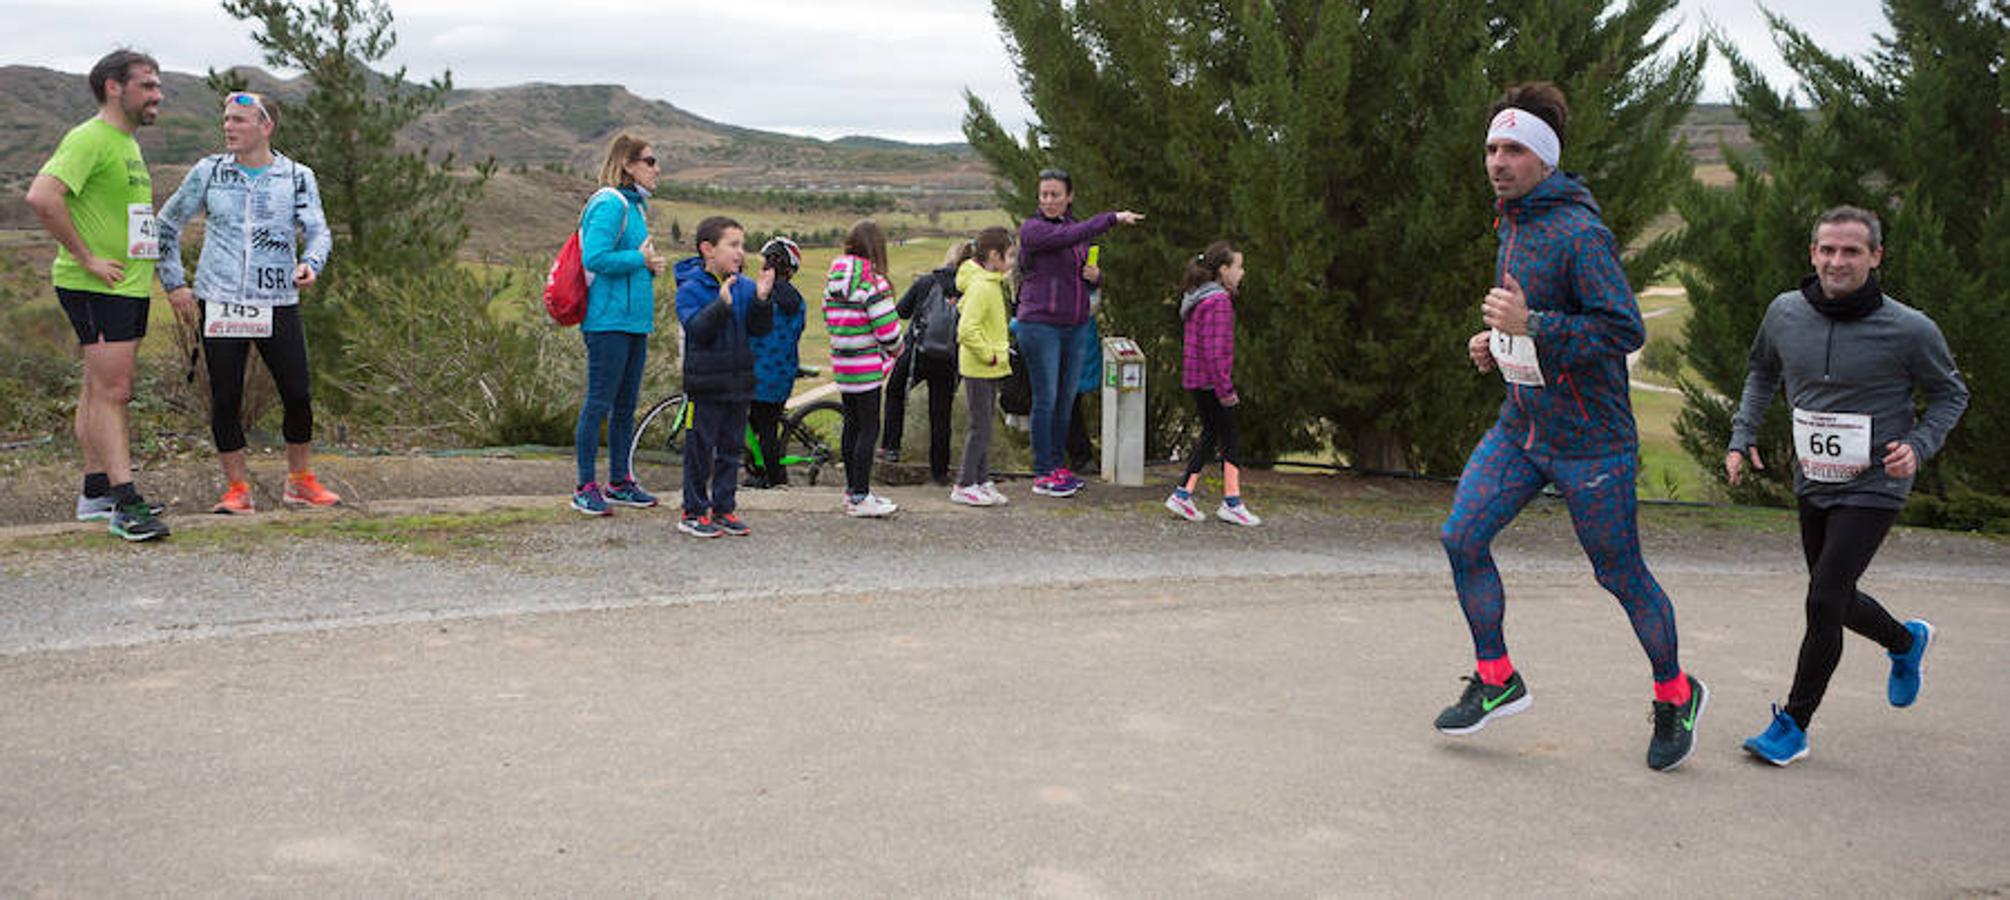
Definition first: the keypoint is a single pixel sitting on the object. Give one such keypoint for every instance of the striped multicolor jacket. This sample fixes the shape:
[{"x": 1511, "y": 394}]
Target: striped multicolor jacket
[{"x": 864, "y": 326}]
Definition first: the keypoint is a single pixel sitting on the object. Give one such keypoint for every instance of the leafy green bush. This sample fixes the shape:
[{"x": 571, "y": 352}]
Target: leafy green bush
[
  {"x": 453, "y": 356},
  {"x": 1959, "y": 510},
  {"x": 1663, "y": 358}
]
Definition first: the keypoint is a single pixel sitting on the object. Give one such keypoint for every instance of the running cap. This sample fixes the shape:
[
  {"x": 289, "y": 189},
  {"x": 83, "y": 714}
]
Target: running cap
[{"x": 1529, "y": 130}]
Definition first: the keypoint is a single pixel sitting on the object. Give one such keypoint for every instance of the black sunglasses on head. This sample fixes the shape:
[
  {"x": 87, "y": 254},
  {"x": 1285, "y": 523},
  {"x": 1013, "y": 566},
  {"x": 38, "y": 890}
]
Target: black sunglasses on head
[{"x": 1055, "y": 175}]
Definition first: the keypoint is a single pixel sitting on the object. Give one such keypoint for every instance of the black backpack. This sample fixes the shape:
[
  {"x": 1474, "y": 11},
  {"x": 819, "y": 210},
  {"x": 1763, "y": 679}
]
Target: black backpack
[
  {"x": 934, "y": 329},
  {"x": 1015, "y": 392}
]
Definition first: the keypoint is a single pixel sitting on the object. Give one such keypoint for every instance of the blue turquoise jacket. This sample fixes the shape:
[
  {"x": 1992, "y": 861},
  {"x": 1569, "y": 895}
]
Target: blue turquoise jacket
[
  {"x": 622, "y": 295},
  {"x": 1089, "y": 350},
  {"x": 248, "y": 254},
  {"x": 1584, "y": 321},
  {"x": 777, "y": 354}
]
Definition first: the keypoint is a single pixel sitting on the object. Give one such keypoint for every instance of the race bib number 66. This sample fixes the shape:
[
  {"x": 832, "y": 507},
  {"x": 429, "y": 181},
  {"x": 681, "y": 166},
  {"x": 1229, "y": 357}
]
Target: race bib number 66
[{"x": 1832, "y": 447}]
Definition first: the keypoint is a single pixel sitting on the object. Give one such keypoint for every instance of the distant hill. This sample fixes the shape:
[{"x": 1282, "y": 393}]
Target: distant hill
[
  {"x": 1709, "y": 128},
  {"x": 529, "y": 126}
]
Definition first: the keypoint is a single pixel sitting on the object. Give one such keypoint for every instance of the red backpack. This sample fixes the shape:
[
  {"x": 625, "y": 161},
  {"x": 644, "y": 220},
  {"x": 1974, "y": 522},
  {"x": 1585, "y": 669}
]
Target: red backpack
[{"x": 566, "y": 284}]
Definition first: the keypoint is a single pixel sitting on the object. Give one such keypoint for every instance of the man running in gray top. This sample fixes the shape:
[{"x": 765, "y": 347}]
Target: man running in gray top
[{"x": 1850, "y": 358}]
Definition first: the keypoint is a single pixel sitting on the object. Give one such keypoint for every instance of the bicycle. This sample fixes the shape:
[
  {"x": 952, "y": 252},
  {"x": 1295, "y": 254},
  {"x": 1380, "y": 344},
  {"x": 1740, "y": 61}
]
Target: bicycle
[{"x": 810, "y": 436}]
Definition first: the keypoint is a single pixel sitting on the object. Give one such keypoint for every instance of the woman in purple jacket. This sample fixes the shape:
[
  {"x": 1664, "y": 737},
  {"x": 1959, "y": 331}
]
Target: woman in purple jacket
[{"x": 1055, "y": 279}]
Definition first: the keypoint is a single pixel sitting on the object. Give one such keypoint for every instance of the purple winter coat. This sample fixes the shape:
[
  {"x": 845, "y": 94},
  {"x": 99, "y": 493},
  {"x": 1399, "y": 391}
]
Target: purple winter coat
[
  {"x": 1051, "y": 255},
  {"x": 1210, "y": 341}
]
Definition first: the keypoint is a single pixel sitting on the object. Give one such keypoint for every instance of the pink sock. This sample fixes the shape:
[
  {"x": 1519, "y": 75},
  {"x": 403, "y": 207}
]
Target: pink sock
[
  {"x": 1495, "y": 671},
  {"x": 1674, "y": 690}
]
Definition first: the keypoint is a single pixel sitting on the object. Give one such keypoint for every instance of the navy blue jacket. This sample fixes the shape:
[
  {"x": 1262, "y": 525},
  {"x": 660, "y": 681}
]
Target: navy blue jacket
[{"x": 718, "y": 361}]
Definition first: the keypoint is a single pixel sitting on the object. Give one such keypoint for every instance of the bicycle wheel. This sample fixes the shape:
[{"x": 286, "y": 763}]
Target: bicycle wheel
[
  {"x": 658, "y": 444},
  {"x": 811, "y": 440}
]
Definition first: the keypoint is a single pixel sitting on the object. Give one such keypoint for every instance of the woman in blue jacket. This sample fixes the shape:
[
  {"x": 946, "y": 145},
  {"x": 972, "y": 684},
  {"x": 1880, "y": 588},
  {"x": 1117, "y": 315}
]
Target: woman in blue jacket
[{"x": 621, "y": 269}]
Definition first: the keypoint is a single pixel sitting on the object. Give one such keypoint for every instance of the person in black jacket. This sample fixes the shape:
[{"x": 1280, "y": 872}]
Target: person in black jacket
[{"x": 915, "y": 366}]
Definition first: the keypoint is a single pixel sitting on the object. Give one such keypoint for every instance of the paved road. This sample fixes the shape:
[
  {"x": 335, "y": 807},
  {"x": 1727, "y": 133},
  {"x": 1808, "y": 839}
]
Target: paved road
[{"x": 1064, "y": 701}]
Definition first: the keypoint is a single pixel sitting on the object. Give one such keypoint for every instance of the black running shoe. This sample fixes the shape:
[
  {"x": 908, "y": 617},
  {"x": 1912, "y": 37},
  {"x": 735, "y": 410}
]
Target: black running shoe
[
  {"x": 137, "y": 522},
  {"x": 1483, "y": 703},
  {"x": 1675, "y": 728}
]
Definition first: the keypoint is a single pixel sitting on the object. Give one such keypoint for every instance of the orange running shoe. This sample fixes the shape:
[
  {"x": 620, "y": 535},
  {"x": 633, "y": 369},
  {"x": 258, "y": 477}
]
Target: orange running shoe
[
  {"x": 304, "y": 490},
  {"x": 236, "y": 501}
]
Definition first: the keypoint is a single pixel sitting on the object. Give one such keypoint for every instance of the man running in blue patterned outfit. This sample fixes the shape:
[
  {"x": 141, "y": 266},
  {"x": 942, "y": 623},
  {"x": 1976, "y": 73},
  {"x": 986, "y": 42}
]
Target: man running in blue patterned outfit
[{"x": 1561, "y": 321}]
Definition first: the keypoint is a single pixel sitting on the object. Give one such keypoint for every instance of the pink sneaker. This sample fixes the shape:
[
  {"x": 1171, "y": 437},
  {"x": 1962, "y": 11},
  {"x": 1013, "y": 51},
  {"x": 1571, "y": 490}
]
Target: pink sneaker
[{"x": 1183, "y": 507}]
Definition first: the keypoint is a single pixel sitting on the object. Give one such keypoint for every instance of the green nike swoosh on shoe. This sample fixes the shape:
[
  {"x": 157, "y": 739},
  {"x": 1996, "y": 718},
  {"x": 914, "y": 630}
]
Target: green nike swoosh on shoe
[{"x": 1674, "y": 737}]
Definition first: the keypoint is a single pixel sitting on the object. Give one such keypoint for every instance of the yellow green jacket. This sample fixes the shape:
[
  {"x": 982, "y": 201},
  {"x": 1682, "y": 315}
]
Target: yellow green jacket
[{"x": 981, "y": 335}]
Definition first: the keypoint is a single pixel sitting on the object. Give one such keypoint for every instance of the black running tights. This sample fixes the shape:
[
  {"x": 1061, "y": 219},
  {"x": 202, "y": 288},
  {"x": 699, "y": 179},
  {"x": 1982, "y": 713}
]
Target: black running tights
[{"x": 1839, "y": 543}]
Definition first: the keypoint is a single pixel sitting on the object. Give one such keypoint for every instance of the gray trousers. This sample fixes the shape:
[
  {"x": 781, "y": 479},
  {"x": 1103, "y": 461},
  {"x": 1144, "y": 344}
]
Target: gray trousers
[{"x": 982, "y": 394}]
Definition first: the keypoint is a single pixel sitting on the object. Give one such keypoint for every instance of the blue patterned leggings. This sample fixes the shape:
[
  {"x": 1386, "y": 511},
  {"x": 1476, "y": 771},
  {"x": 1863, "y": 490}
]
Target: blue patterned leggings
[{"x": 1498, "y": 481}]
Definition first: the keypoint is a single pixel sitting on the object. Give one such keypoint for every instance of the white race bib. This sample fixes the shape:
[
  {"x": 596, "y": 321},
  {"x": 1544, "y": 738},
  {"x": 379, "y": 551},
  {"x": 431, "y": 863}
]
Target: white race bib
[
  {"x": 235, "y": 320},
  {"x": 1515, "y": 357},
  {"x": 143, "y": 239},
  {"x": 1833, "y": 447}
]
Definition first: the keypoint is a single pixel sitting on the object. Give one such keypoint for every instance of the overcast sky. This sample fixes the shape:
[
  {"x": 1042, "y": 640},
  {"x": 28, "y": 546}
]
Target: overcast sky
[{"x": 827, "y": 68}]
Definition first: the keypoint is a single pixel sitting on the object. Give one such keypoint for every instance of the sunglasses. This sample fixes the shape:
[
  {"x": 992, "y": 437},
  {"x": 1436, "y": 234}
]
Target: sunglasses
[
  {"x": 249, "y": 101},
  {"x": 649, "y": 161},
  {"x": 1055, "y": 175}
]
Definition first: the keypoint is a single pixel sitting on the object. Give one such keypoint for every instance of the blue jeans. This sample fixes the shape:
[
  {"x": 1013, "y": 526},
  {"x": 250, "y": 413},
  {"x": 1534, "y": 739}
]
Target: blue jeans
[
  {"x": 614, "y": 361},
  {"x": 712, "y": 448},
  {"x": 1053, "y": 366}
]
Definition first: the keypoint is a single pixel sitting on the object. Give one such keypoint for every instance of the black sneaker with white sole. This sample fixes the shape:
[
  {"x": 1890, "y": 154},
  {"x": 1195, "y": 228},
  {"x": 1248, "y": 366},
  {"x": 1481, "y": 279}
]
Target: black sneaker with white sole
[{"x": 1482, "y": 703}]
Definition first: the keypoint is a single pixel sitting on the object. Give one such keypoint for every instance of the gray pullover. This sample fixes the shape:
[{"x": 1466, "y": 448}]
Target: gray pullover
[{"x": 1868, "y": 366}]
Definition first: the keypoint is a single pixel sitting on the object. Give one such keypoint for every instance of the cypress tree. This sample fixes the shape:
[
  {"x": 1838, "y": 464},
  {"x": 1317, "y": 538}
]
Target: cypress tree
[
  {"x": 1918, "y": 132},
  {"x": 1339, "y": 143}
]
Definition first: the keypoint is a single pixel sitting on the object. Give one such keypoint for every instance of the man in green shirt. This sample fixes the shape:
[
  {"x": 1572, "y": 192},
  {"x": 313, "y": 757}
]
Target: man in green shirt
[{"x": 95, "y": 198}]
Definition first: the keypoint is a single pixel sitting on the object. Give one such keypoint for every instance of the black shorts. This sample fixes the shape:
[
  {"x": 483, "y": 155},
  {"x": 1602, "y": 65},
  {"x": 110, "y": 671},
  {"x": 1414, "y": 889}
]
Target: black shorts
[{"x": 105, "y": 317}]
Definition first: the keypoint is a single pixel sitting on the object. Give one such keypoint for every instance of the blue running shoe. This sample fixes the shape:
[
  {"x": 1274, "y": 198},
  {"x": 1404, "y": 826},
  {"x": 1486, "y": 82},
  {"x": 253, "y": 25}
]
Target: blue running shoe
[
  {"x": 627, "y": 493},
  {"x": 589, "y": 501},
  {"x": 1783, "y": 742},
  {"x": 1905, "y": 667}
]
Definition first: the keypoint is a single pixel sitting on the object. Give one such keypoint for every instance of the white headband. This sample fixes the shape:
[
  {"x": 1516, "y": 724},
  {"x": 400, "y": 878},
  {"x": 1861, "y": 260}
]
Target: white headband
[{"x": 1529, "y": 130}]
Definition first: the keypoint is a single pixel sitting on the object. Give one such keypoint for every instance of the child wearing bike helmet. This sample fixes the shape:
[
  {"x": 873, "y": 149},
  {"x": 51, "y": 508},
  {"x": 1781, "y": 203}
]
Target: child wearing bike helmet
[{"x": 777, "y": 360}]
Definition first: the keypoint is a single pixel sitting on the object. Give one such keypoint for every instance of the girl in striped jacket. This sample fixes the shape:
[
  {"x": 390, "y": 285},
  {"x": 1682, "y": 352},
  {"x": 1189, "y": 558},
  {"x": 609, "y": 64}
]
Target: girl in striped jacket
[{"x": 859, "y": 312}]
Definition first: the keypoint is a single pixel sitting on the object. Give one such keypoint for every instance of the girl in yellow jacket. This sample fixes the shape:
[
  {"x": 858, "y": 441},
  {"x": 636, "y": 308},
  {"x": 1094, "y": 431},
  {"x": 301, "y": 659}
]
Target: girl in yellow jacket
[{"x": 982, "y": 358}]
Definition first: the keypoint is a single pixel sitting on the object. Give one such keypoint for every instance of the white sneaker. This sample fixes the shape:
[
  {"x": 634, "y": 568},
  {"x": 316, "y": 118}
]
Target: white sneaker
[
  {"x": 1238, "y": 514},
  {"x": 970, "y": 495},
  {"x": 871, "y": 506},
  {"x": 990, "y": 489},
  {"x": 1183, "y": 508}
]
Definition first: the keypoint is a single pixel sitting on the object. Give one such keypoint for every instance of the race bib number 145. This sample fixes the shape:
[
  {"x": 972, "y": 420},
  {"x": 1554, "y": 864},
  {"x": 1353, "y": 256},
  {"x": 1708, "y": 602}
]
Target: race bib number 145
[{"x": 235, "y": 320}]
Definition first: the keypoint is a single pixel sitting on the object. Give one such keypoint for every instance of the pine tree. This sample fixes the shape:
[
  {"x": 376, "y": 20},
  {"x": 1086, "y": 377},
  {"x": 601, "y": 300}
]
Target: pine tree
[
  {"x": 1339, "y": 143},
  {"x": 392, "y": 210},
  {"x": 1918, "y": 133}
]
